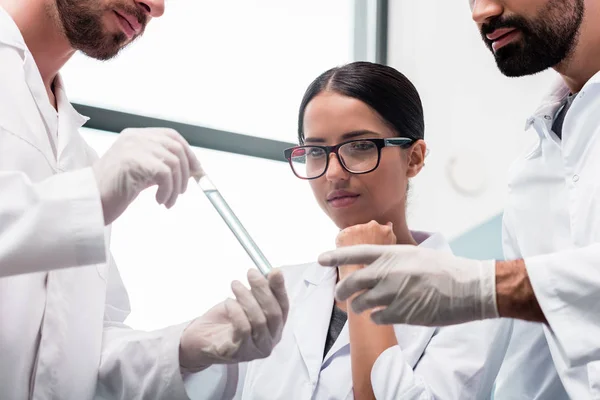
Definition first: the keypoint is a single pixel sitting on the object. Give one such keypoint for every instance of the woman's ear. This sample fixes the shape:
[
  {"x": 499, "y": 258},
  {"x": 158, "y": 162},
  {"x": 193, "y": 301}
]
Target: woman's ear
[{"x": 416, "y": 158}]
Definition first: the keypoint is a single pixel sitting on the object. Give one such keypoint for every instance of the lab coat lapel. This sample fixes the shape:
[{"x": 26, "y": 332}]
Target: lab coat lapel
[
  {"x": 341, "y": 342},
  {"x": 312, "y": 316},
  {"x": 70, "y": 145},
  {"x": 413, "y": 341},
  {"x": 40, "y": 96},
  {"x": 35, "y": 130}
]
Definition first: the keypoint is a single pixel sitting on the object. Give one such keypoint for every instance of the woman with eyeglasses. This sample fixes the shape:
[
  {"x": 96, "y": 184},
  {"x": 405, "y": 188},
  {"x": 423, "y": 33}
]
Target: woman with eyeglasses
[{"x": 360, "y": 133}]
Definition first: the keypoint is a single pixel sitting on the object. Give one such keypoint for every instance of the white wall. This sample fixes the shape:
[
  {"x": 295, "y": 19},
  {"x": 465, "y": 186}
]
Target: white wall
[{"x": 469, "y": 107}]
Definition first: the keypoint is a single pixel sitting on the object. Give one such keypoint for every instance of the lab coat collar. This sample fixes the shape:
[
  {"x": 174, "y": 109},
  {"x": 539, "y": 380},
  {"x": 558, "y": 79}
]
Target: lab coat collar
[
  {"x": 69, "y": 122},
  {"x": 10, "y": 34},
  {"x": 315, "y": 274},
  {"x": 555, "y": 97},
  {"x": 70, "y": 119},
  {"x": 65, "y": 108},
  {"x": 552, "y": 101},
  {"x": 429, "y": 240}
]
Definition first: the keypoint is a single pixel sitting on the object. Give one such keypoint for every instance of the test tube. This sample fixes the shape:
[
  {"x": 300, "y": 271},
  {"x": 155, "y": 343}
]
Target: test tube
[{"x": 234, "y": 224}]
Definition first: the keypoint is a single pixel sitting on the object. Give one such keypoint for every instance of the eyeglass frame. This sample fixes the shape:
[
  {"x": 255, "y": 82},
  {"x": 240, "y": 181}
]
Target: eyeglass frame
[{"x": 380, "y": 143}]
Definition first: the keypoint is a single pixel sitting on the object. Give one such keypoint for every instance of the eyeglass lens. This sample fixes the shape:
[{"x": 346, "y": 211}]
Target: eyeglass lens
[{"x": 359, "y": 156}]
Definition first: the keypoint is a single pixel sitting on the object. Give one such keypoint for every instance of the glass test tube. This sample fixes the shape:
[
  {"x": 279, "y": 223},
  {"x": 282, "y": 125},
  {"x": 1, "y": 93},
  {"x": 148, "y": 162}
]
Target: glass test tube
[{"x": 234, "y": 224}]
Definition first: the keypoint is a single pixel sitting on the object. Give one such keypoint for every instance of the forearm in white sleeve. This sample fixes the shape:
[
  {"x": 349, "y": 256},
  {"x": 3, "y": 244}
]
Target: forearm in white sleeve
[
  {"x": 56, "y": 223},
  {"x": 567, "y": 287},
  {"x": 141, "y": 365}
]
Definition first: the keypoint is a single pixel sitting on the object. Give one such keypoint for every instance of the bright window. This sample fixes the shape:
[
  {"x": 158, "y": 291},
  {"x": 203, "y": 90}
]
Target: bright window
[
  {"x": 238, "y": 65},
  {"x": 176, "y": 264}
]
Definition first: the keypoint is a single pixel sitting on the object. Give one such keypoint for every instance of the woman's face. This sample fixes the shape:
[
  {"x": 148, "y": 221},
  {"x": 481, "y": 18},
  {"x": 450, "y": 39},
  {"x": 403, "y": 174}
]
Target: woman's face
[{"x": 350, "y": 199}]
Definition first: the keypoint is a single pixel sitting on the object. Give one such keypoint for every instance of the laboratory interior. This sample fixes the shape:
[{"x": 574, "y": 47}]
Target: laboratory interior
[{"x": 230, "y": 75}]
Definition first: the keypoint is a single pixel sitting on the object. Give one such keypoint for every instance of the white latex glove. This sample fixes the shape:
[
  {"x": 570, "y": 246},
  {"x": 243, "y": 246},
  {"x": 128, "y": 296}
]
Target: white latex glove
[
  {"x": 139, "y": 159},
  {"x": 235, "y": 331},
  {"x": 417, "y": 286}
]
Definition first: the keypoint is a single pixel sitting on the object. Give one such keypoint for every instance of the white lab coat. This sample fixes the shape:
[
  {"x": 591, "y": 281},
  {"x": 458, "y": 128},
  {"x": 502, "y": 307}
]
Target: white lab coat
[
  {"x": 552, "y": 220},
  {"x": 459, "y": 362},
  {"x": 61, "y": 329}
]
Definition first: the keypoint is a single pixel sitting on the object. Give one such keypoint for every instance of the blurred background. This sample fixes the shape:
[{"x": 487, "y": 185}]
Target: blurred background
[{"x": 229, "y": 75}]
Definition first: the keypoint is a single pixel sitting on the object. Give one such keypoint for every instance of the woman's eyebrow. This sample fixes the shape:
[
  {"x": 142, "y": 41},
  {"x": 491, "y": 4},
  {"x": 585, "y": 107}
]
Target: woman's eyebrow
[{"x": 345, "y": 136}]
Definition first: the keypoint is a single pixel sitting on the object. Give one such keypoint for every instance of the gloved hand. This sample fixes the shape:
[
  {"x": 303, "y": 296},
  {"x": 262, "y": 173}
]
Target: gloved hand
[
  {"x": 417, "y": 286},
  {"x": 235, "y": 331},
  {"x": 141, "y": 158}
]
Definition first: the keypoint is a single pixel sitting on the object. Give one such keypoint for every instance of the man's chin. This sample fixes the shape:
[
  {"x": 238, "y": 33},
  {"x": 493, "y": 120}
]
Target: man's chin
[
  {"x": 103, "y": 51},
  {"x": 100, "y": 56},
  {"x": 516, "y": 61},
  {"x": 517, "y": 70}
]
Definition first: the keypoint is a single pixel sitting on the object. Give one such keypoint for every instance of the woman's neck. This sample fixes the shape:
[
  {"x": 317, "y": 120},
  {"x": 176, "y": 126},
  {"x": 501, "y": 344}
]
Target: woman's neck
[
  {"x": 400, "y": 226},
  {"x": 403, "y": 235}
]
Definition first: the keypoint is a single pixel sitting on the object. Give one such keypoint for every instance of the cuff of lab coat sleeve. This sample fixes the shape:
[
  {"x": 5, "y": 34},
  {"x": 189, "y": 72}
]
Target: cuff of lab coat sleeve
[
  {"x": 568, "y": 324},
  {"x": 74, "y": 198},
  {"x": 172, "y": 375},
  {"x": 388, "y": 375}
]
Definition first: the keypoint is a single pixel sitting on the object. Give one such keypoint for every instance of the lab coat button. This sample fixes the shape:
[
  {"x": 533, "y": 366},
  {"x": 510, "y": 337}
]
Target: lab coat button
[
  {"x": 575, "y": 178},
  {"x": 547, "y": 117}
]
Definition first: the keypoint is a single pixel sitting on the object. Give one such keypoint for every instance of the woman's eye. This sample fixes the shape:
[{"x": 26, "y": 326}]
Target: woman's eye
[
  {"x": 315, "y": 153},
  {"x": 362, "y": 146}
]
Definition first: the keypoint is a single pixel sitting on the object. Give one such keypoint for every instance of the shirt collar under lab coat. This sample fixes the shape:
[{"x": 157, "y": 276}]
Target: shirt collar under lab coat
[{"x": 554, "y": 99}]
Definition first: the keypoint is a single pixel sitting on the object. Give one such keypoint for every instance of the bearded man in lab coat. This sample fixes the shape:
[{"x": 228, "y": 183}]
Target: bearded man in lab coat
[
  {"x": 551, "y": 223},
  {"x": 62, "y": 301}
]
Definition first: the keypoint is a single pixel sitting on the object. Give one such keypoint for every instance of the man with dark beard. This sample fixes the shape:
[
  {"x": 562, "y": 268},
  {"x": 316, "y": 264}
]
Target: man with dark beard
[
  {"x": 62, "y": 301},
  {"x": 551, "y": 223}
]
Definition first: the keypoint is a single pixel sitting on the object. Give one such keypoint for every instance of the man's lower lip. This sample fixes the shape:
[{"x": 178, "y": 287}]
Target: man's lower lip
[
  {"x": 343, "y": 201},
  {"x": 504, "y": 40},
  {"x": 127, "y": 29}
]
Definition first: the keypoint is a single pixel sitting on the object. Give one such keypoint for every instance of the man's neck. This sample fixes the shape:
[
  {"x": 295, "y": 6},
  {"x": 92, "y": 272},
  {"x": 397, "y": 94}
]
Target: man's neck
[
  {"x": 43, "y": 36},
  {"x": 579, "y": 69},
  {"x": 584, "y": 62}
]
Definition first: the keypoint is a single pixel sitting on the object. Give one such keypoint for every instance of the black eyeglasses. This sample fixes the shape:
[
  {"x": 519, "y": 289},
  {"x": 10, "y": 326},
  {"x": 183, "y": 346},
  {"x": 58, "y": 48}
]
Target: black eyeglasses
[{"x": 359, "y": 156}]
